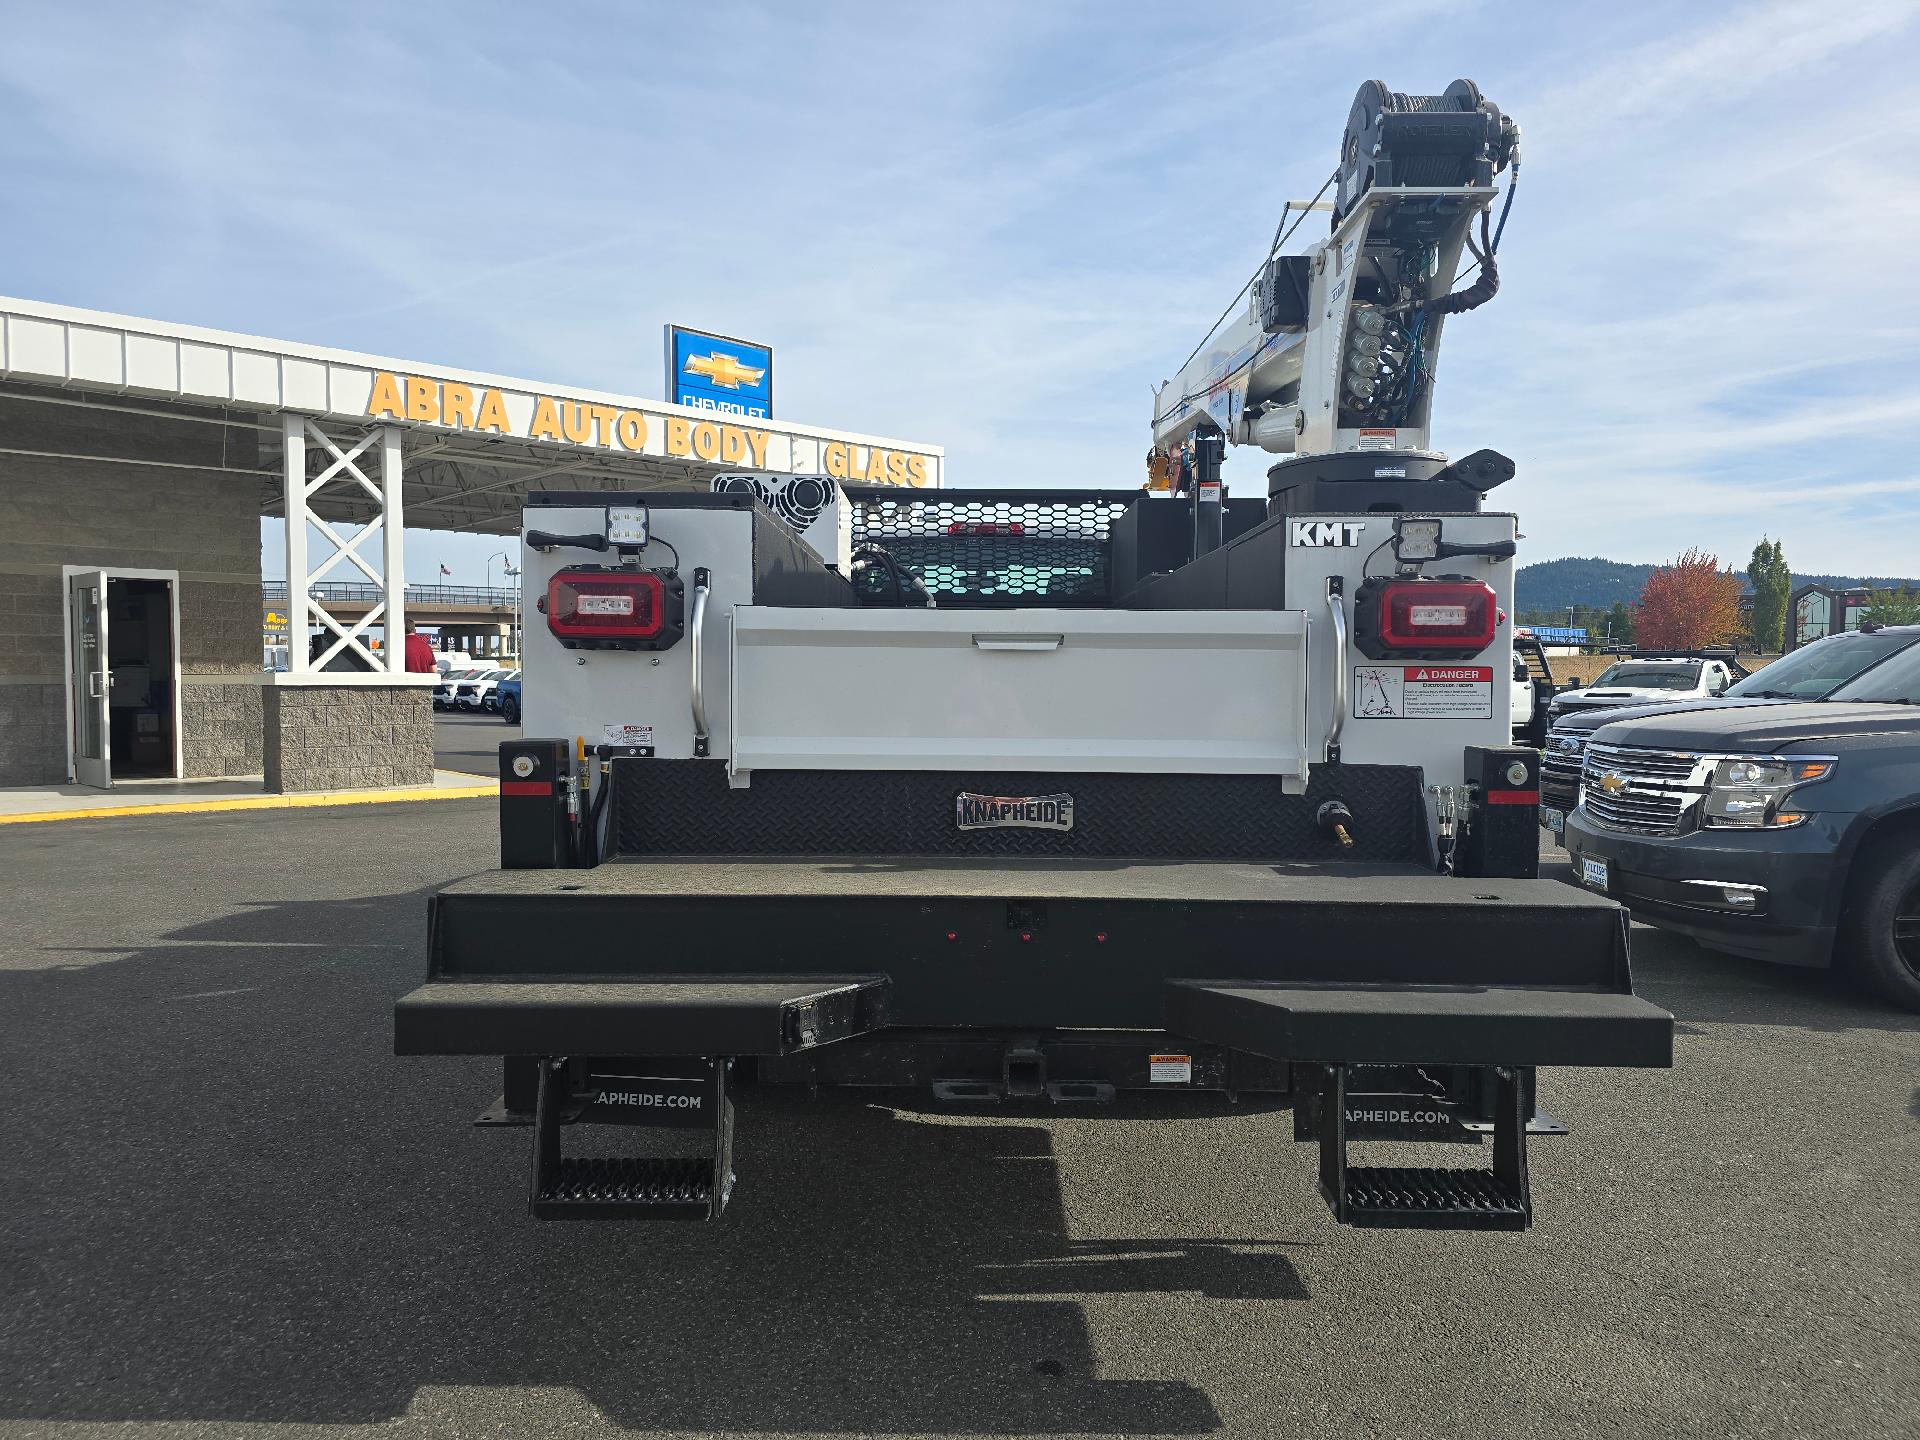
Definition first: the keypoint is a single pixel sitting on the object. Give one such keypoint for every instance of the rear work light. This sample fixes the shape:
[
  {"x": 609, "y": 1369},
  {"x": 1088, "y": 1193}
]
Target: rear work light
[
  {"x": 1424, "y": 619},
  {"x": 597, "y": 607}
]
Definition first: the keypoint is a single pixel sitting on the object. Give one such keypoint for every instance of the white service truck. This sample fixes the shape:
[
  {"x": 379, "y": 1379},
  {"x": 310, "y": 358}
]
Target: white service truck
[{"x": 1041, "y": 796}]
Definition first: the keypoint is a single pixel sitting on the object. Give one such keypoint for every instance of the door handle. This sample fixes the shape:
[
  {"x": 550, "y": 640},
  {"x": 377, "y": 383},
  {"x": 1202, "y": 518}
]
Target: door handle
[
  {"x": 1018, "y": 642},
  {"x": 96, "y": 685}
]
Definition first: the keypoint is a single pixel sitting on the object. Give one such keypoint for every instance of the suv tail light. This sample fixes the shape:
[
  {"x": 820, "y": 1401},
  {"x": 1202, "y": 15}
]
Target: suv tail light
[
  {"x": 1424, "y": 619},
  {"x": 596, "y": 607}
]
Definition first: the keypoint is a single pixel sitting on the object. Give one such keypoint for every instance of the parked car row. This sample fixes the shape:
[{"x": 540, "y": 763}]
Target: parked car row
[
  {"x": 1778, "y": 820},
  {"x": 475, "y": 689}
]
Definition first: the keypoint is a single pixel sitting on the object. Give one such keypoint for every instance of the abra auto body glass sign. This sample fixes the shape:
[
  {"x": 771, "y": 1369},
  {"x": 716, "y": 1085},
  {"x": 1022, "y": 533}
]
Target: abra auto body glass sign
[{"x": 719, "y": 373}]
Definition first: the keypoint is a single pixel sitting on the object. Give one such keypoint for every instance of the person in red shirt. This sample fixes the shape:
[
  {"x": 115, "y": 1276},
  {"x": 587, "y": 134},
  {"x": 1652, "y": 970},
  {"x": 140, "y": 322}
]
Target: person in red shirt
[{"x": 420, "y": 659}]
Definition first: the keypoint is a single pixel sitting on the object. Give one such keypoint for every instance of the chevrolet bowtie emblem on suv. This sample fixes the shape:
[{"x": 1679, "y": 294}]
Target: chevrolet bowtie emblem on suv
[
  {"x": 1613, "y": 784},
  {"x": 724, "y": 370}
]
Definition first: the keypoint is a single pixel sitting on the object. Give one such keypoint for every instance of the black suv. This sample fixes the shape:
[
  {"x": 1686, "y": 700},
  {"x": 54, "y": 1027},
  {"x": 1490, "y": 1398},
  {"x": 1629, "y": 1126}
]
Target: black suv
[
  {"x": 1786, "y": 831},
  {"x": 1812, "y": 672}
]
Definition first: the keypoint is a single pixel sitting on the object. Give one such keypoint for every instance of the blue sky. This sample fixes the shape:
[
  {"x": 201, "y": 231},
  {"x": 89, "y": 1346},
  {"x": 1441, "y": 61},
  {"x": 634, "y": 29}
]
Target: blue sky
[{"x": 994, "y": 227}]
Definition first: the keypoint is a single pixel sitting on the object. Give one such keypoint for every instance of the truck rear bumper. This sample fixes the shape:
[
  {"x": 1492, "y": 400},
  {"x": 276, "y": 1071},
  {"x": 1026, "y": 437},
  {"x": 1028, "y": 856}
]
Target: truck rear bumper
[{"x": 706, "y": 957}]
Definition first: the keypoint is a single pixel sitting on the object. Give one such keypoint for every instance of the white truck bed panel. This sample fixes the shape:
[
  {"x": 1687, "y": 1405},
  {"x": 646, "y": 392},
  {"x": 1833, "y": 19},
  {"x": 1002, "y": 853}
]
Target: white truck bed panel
[{"x": 1073, "y": 690}]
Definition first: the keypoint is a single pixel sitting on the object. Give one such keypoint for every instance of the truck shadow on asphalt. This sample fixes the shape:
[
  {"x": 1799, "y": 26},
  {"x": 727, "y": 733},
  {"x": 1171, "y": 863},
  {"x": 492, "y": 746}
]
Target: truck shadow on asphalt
[{"x": 231, "y": 1202}]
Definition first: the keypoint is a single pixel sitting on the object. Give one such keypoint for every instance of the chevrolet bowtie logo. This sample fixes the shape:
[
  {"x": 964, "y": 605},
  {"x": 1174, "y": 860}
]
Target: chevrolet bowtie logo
[
  {"x": 724, "y": 370},
  {"x": 1613, "y": 784}
]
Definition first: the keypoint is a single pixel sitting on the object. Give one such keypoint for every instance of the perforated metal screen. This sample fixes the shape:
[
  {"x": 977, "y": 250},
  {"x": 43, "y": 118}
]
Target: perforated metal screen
[{"x": 995, "y": 547}]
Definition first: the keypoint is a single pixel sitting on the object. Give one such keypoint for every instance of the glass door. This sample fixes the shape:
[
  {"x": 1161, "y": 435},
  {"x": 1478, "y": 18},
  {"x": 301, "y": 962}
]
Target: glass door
[{"x": 89, "y": 679}]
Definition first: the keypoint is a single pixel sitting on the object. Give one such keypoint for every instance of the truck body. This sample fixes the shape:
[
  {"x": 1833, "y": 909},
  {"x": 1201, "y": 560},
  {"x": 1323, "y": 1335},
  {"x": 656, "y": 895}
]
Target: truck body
[{"x": 1011, "y": 796}]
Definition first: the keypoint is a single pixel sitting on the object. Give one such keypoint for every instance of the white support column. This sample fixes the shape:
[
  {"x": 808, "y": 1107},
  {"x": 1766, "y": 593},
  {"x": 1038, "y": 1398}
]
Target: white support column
[
  {"x": 394, "y": 560},
  {"x": 293, "y": 444}
]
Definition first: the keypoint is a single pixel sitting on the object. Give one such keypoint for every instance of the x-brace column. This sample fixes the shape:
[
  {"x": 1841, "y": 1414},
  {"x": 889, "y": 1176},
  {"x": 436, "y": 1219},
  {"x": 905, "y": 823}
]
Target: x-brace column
[{"x": 346, "y": 468}]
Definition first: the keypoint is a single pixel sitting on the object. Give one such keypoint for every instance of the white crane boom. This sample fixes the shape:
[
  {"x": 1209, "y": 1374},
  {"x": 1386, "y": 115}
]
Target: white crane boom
[{"x": 1336, "y": 347}]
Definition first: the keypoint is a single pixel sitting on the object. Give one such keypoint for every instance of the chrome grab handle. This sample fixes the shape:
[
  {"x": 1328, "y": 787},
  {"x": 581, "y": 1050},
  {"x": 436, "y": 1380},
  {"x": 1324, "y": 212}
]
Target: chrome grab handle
[
  {"x": 700, "y": 578},
  {"x": 1337, "y": 613}
]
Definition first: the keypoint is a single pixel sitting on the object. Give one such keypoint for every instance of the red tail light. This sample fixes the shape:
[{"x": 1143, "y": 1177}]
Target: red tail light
[
  {"x": 598, "y": 608},
  {"x": 1424, "y": 619},
  {"x": 987, "y": 527}
]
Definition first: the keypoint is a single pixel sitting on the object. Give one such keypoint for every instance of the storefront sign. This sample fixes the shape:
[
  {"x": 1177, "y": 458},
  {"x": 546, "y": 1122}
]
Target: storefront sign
[{"x": 717, "y": 372}]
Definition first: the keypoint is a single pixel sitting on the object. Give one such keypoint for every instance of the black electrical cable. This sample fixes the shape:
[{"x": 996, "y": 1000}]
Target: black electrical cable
[
  {"x": 1482, "y": 290},
  {"x": 656, "y": 540},
  {"x": 1513, "y": 184}
]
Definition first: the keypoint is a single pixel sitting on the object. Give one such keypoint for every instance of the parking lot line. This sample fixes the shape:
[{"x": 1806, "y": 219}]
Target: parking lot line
[{"x": 261, "y": 802}]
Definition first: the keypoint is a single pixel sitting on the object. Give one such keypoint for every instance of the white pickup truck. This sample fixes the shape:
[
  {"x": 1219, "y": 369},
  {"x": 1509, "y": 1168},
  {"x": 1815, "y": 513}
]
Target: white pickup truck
[{"x": 1651, "y": 679}]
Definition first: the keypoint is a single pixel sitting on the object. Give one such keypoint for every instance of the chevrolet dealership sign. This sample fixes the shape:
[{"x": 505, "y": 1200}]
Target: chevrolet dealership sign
[{"x": 719, "y": 373}]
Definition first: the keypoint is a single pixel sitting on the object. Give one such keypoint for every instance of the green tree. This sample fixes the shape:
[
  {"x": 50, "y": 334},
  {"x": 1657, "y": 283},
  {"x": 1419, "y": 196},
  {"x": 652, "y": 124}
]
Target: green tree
[
  {"x": 1894, "y": 607},
  {"x": 1772, "y": 584},
  {"x": 1619, "y": 624}
]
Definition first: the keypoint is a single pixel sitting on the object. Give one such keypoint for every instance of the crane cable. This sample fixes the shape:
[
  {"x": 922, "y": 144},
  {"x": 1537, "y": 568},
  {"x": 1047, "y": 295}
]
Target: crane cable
[{"x": 1278, "y": 240}]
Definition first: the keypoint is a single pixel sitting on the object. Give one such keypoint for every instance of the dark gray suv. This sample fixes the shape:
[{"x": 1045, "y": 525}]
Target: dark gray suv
[
  {"x": 1812, "y": 672},
  {"x": 1787, "y": 831}
]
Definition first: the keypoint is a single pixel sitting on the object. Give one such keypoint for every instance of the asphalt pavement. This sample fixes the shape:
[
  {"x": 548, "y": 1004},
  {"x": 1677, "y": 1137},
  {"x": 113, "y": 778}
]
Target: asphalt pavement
[
  {"x": 227, "y": 1210},
  {"x": 470, "y": 742}
]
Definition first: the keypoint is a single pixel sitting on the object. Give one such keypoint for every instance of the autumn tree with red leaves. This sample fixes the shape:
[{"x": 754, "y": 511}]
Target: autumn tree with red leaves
[{"x": 1688, "y": 604}]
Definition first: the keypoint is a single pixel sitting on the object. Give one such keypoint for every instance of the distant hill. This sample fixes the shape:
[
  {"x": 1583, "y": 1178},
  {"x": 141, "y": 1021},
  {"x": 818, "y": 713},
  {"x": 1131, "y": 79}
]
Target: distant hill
[{"x": 1556, "y": 584}]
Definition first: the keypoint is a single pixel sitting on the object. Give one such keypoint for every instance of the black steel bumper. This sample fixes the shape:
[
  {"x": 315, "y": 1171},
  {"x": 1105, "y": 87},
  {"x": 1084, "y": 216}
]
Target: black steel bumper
[
  {"x": 720, "y": 957},
  {"x": 1765, "y": 895}
]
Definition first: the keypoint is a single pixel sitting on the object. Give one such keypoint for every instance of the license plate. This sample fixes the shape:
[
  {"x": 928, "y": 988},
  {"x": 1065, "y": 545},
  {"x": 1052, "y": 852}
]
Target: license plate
[
  {"x": 1554, "y": 820},
  {"x": 1593, "y": 872}
]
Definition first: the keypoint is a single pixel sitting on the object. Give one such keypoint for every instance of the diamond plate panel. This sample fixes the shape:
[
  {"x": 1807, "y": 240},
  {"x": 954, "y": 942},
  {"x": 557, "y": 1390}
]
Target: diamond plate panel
[{"x": 684, "y": 807}]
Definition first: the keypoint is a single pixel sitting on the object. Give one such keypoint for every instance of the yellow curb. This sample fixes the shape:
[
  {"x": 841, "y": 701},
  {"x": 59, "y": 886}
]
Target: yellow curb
[{"x": 259, "y": 802}]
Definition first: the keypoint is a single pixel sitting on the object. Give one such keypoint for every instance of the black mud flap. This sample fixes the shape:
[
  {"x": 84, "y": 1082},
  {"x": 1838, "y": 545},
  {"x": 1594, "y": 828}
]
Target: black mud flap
[{"x": 1505, "y": 1031}]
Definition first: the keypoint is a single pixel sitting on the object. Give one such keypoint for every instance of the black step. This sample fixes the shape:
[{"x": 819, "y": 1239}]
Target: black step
[
  {"x": 667, "y": 1188},
  {"x": 1433, "y": 1199},
  {"x": 1409, "y": 1198},
  {"x": 631, "y": 1187}
]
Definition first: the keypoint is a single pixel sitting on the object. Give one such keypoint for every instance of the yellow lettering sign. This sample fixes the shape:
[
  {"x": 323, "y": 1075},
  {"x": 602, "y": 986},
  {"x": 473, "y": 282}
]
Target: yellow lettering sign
[
  {"x": 386, "y": 401},
  {"x": 423, "y": 399},
  {"x": 757, "y": 441},
  {"x": 604, "y": 417},
  {"x": 706, "y": 440},
  {"x": 456, "y": 405},
  {"x": 916, "y": 470},
  {"x": 833, "y": 455},
  {"x": 633, "y": 429},
  {"x": 546, "y": 420},
  {"x": 677, "y": 433},
  {"x": 493, "y": 413},
  {"x": 573, "y": 421}
]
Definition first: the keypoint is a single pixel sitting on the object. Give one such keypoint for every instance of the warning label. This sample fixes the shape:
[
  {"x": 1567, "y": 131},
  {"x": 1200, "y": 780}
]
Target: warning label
[
  {"x": 629, "y": 734},
  {"x": 1170, "y": 1069},
  {"x": 1422, "y": 692},
  {"x": 1373, "y": 438}
]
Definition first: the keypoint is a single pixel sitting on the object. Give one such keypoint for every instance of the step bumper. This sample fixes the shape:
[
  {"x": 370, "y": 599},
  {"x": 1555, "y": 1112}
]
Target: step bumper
[
  {"x": 1423, "y": 1024},
  {"x": 661, "y": 1015}
]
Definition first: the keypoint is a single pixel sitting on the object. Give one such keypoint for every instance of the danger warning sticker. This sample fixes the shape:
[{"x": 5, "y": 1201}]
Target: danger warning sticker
[{"x": 1422, "y": 692}]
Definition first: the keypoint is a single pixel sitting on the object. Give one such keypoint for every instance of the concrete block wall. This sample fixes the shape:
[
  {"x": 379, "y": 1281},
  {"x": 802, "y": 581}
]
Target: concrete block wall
[
  {"x": 203, "y": 522},
  {"x": 347, "y": 737}
]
